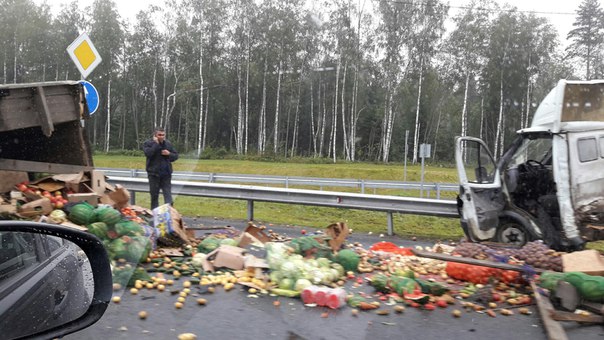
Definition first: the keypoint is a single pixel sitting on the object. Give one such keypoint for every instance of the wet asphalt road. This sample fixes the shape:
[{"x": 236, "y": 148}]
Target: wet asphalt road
[{"x": 234, "y": 315}]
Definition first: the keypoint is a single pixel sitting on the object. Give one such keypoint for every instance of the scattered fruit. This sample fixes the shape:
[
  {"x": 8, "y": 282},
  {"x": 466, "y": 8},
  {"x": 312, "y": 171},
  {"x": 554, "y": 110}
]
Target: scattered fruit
[
  {"x": 187, "y": 336},
  {"x": 276, "y": 303},
  {"x": 178, "y": 305},
  {"x": 186, "y": 284},
  {"x": 117, "y": 286},
  {"x": 202, "y": 302},
  {"x": 142, "y": 315},
  {"x": 399, "y": 309},
  {"x": 506, "y": 312},
  {"x": 491, "y": 313},
  {"x": 116, "y": 299},
  {"x": 524, "y": 311},
  {"x": 456, "y": 313},
  {"x": 133, "y": 291},
  {"x": 355, "y": 312},
  {"x": 181, "y": 299}
]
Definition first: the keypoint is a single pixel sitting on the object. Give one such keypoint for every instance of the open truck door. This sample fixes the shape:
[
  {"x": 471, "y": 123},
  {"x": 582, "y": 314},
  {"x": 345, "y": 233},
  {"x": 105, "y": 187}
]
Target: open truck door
[{"x": 480, "y": 199}]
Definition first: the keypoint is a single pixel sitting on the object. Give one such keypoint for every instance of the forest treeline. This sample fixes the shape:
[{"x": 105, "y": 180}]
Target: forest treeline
[{"x": 338, "y": 79}]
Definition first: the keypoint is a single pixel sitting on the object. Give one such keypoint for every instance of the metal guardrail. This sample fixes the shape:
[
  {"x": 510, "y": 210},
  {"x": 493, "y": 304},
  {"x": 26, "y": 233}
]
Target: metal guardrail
[
  {"x": 287, "y": 181},
  {"x": 388, "y": 204}
]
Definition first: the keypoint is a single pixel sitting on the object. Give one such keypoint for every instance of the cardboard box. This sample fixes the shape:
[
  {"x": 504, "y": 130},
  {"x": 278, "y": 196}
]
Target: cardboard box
[
  {"x": 169, "y": 221},
  {"x": 8, "y": 179},
  {"x": 338, "y": 232},
  {"x": 227, "y": 256},
  {"x": 586, "y": 261},
  {"x": 247, "y": 239},
  {"x": 92, "y": 198},
  {"x": 98, "y": 183},
  {"x": 257, "y": 233},
  {"x": 42, "y": 206},
  {"x": 120, "y": 197}
]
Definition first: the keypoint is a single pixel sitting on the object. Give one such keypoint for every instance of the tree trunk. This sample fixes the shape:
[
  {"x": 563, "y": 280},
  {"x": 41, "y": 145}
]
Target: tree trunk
[
  {"x": 323, "y": 123},
  {"x": 239, "y": 130},
  {"x": 524, "y": 123},
  {"x": 464, "y": 112},
  {"x": 154, "y": 96},
  {"x": 313, "y": 137},
  {"x": 201, "y": 117},
  {"x": 108, "y": 133},
  {"x": 296, "y": 119},
  {"x": 262, "y": 120},
  {"x": 481, "y": 117},
  {"x": 15, "y": 59},
  {"x": 344, "y": 126},
  {"x": 246, "y": 126},
  {"x": 276, "y": 126},
  {"x": 500, "y": 118},
  {"x": 419, "y": 96},
  {"x": 335, "y": 113}
]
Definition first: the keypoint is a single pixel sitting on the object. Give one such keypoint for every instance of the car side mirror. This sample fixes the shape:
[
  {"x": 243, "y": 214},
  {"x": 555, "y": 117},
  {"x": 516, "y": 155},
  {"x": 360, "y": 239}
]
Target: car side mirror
[{"x": 54, "y": 280}]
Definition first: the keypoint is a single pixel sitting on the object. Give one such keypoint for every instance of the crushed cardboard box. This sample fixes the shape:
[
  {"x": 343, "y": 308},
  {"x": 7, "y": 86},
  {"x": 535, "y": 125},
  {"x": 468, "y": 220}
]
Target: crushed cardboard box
[
  {"x": 170, "y": 224},
  {"x": 338, "y": 232},
  {"x": 42, "y": 206},
  {"x": 586, "y": 261},
  {"x": 225, "y": 256},
  {"x": 117, "y": 197}
]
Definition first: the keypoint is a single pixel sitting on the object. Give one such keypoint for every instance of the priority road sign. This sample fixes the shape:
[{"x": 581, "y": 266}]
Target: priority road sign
[{"x": 84, "y": 54}]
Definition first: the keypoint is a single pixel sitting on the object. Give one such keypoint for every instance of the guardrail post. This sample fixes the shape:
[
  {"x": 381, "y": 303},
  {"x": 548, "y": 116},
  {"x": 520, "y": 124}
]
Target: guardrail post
[
  {"x": 133, "y": 197},
  {"x": 211, "y": 177},
  {"x": 250, "y": 210},
  {"x": 132, "y": 172},
  {"x": 437, "y": 191},
  {"x": 390, "y": 224},
  {"x": 362, "y": 187},
  {"x": 286, "y": 182}
]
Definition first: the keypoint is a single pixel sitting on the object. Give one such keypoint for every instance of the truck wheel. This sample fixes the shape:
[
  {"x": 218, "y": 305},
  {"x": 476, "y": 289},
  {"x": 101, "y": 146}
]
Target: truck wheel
[{"x": 512, "y": 233}]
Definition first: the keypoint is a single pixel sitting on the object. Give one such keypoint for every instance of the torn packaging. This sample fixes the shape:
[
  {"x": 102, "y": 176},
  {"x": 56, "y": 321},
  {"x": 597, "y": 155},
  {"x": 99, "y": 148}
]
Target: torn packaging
[{"x": 225, "y": 256}]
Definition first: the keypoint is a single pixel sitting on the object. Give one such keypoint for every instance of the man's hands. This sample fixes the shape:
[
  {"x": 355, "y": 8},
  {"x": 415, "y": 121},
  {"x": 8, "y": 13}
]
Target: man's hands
[
  {"x": 165, "y": 153},
  {"x": 155, "y": 139}
]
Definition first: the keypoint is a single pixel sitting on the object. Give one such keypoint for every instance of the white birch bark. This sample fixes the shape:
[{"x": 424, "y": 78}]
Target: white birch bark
[
  {"x": 201, "y": 117},
  {"x": 154, "y": 96},
  {"x": 500, "y": 118},
  {"x": 481, "y": 117},
  {"x": 239, "y": 130},
  {"x": 344, "y": 126},
  {"x": 108, "y": 127},
  {"x": 323, "y": 123},
  {"x": 312, "y": 121},
  {"x": 276, "y": 126},
  {"x": 247, "y": 96},
  {"x": 335, "y": 113},
  {"x": 262, "y": 120},
  {"x": 464, "y": 111},
  {"x": 419, "y": 96}
]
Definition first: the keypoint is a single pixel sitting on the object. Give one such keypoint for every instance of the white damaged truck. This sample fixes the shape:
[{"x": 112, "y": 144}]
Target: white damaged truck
[{"x": 549, "y": 184}]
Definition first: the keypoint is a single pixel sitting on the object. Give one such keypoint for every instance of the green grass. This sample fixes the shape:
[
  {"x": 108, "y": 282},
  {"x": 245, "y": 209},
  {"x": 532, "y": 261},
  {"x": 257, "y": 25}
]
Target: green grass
[{"x": 308, "y": 216}]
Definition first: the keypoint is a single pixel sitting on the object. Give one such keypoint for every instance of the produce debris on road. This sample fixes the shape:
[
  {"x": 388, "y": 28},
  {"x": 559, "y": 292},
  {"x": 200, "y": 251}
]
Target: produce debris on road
[{"x": 155, "y": 251}]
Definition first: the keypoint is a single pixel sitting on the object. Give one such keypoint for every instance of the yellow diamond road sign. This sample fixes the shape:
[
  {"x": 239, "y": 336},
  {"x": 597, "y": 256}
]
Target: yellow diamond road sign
[{"x": 84, "y": 54}]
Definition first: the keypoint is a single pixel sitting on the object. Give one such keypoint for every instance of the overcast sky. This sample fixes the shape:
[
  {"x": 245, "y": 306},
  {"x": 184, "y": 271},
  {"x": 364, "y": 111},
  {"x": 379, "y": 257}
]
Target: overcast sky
[{"x": 561, "y": 13}]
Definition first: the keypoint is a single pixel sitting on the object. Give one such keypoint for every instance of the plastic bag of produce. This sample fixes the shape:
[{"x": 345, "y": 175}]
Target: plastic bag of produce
[
  {"x": 128, "y": 228},
  {"x": 549, "y": 280},
  {"x": 589, "y": 287}
]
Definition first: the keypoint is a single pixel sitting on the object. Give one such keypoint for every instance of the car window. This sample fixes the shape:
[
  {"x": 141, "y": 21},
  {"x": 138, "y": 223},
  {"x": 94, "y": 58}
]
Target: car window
[
  {"x": 587, "y": 149},
  {"x": 17, "y": 254},
  {"x": 54, "y": 243}
]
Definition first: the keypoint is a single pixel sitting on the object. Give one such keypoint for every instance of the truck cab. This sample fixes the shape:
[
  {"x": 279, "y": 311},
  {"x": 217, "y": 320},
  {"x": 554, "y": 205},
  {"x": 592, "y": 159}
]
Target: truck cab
[{"x": 549, "y": 184}]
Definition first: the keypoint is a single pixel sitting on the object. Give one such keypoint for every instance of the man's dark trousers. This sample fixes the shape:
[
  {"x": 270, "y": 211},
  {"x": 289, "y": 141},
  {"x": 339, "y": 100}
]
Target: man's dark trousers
[{"x": 155, "y": 184}]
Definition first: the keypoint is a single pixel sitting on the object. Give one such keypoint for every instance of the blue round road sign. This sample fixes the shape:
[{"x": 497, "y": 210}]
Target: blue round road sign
[{"x": 92, "y": 96}]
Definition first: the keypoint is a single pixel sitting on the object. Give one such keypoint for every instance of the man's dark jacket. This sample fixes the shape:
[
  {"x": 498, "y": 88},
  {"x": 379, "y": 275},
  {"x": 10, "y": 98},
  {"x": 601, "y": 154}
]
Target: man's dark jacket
[{"x": 155, "y": 161}]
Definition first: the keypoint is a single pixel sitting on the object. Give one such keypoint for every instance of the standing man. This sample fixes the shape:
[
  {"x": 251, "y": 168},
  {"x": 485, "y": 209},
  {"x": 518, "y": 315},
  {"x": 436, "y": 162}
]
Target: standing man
[{"x": 160, "y": 155}]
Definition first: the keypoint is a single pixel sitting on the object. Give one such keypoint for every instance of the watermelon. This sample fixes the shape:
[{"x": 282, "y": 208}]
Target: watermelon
[
  {"x": 380, "y": 283},
  {"x": 349, "y": 259},
  {"x": 108, "y": 215},
  {"x": 82, "y": 213},
  {"x": 420, "y": 298},
  {"x": 99, "y": 229},
  {"x": 129, "y": 228}
]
